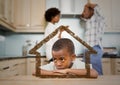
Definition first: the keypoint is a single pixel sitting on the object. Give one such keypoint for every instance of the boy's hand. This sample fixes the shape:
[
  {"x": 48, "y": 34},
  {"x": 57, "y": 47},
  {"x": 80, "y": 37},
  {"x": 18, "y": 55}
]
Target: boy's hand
[
  {"x": 63, "y": 71},
  {"x": 33, "y": 73}
]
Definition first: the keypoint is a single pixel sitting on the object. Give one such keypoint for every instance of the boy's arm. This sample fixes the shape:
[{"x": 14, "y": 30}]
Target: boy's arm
[
  {"x": 79, "y": 72},
  {"x": 46, "y": 72}
]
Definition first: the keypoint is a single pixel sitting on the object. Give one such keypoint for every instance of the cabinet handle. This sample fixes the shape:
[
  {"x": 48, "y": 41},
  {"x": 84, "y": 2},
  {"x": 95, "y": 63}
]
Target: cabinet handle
[
  {"x": 22, "y": 25},
  {"x": 6, "y": 68},
  {"x": 118, "y": 62},
  {"x": 15, "y": 64},
  {"x": 118, "y": 70},
  {"x": 35, "y": 25},
  {"x": 16, "y": 74},
  {"x": 4, "y": 18}
]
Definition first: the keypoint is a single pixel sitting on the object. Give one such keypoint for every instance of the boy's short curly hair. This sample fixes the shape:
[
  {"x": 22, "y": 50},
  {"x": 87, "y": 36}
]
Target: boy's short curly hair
[
  {"x": 64, "y": 43},
  {"x": 50, "y": 13}
]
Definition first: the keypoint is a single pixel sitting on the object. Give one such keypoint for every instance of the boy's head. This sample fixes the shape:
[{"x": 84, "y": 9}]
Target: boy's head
[
  {"x": 63, "y": 52},
  {"x": 52, "y": 15}
]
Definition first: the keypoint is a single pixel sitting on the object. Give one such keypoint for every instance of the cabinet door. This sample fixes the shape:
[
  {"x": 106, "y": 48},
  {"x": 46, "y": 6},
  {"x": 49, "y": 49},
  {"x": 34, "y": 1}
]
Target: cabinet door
[
  {"x": 6, "y": 10},
  {"x": 9, "y": 11},
  {"x": 106, "y": 64},
  {"x": 6, "y": 14},
  {"x": 22, "y": 14},
  {"x": 12, "y": 67},
  {"x": 1, "y": 8},
  {"x": 52, "y": 3},
  {"x": 37, "y": 21},
  {"x": 115, "y": 15},
  {"x": 21, "y": 68},
  {"x": 105, "y": 6},
  {"x": 79, "y": 6},
  {"x": 30, "y": 66},
  {"x": 116, "y": 66},
  {"x": 72, "y": 6}
]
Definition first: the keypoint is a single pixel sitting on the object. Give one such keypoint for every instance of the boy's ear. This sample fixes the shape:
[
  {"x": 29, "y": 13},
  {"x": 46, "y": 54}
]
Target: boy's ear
[{"x": 73, "y": 57}]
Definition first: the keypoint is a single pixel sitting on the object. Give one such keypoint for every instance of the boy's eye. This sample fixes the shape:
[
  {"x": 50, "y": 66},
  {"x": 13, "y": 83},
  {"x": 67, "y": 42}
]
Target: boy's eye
[
  {"x": 54, "y": 59},
  {"x": 62, "y": 59}
]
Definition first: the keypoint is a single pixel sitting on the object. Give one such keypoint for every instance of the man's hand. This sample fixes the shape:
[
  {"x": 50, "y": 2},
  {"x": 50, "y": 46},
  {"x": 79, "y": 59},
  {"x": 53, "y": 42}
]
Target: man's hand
[{"x": 91, "y": 5}]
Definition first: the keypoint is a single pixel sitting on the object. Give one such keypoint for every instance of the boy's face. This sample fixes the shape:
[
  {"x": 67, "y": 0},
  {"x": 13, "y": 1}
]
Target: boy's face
[{"x": 62, "y": 59}]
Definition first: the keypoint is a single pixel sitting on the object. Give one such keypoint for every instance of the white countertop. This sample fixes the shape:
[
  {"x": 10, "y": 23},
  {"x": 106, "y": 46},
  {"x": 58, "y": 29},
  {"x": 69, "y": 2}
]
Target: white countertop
[{"x": 32, "y": 80}]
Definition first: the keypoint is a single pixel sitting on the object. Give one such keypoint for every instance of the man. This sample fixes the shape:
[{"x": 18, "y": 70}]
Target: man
[{"x": 93, "y": 33}]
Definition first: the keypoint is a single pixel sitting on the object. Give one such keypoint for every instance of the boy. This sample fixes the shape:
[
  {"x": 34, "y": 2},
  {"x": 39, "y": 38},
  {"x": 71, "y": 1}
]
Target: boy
[
  {"x": 64, "y": 62},
  {"x": 52, "y": 16}
]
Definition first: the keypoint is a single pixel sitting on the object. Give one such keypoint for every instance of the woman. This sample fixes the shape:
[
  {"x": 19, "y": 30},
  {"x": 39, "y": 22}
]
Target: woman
[{"x": 52, "y": 16}]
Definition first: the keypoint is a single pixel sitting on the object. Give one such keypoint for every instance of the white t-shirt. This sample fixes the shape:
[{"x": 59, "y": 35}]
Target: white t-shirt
[{"x": 77, "y": 64}]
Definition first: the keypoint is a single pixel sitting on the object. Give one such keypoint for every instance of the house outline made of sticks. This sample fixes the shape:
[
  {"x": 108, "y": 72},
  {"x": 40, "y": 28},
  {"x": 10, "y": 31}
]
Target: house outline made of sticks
[{"x": 50, "y": 36}]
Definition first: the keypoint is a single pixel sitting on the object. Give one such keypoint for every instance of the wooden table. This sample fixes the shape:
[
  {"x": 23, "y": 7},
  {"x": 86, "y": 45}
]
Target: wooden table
[{"x": 32, "y": 80}]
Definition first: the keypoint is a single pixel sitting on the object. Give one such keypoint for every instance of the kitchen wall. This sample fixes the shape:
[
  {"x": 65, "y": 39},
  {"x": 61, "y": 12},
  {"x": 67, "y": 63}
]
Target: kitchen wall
[
  {"x": 13, "y": 43},
  {"x": 112, "y": 40}
]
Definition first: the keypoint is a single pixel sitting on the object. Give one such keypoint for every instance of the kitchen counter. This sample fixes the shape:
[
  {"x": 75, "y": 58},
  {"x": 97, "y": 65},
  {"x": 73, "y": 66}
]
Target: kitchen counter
[
  {"x": 32, "y": 80},
  {"x": 19, "y": 57}
]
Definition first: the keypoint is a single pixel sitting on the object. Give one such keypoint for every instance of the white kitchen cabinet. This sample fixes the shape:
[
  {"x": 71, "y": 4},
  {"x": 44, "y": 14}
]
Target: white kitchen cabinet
[
  {"x": 22, "y": 67},
  {"x": 29, "y": 15},
  {"x": 79, "y": 6},
  {"x": 12, "y": 67},
  {"x": 31, "y": 65},
  {"x": 6, "y": 14},
  {"x": 74, "y": 7},
  {"x": 67, "y": 6},
  {"x": 105, "y": 6},
  {"x": 52, "y": 3},
  {"x": 6, "y": 10},
  {"x": 2, "y": 7},
  {"x": 110, "y": 10},
  {"x": 115, "y": 16},
  {"x": 106, "y": 65}
]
